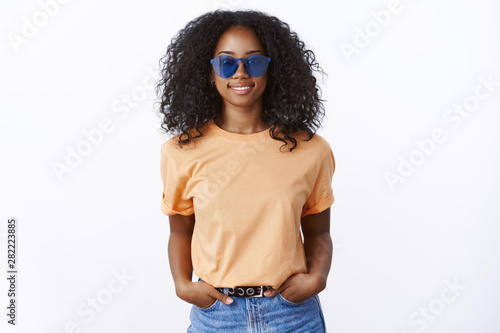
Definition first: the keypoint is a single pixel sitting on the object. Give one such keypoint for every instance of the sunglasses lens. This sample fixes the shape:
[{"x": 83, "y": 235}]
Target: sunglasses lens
[
  {"x": 229, "y": 66},
  {"x": 225, "y": 66},
  {"x": 257, "y": 65}
]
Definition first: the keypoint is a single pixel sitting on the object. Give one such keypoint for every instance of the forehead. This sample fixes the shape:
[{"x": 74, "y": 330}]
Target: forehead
[{"x": 238, "y": 39}]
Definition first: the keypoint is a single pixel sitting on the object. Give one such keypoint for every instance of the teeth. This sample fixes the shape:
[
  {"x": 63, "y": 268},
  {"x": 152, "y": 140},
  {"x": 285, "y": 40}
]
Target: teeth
[{"x": 241, "y": 88}]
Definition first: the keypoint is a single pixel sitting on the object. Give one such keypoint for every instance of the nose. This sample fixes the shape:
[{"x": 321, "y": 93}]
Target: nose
[{"x": 240, "y": 72}]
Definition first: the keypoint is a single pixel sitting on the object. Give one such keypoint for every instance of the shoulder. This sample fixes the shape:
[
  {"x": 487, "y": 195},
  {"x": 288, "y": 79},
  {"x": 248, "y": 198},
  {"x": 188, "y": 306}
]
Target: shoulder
[
  {"x": 321, "y": 141},
  {"x": 172, "y": 146},
  {"x": 317, "y": 144},
  {"x": 171, "y": 143},
  {"x": 179, "y": 158}
]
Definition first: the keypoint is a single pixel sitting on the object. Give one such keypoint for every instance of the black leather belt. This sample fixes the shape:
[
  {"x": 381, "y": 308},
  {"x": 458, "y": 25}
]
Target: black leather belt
[{"x": 252, "y": 291}]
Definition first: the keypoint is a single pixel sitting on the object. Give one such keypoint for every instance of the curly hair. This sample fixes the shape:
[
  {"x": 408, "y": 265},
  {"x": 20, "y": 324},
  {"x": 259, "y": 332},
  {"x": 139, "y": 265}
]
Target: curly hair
[{"x": 291, "y": 102}]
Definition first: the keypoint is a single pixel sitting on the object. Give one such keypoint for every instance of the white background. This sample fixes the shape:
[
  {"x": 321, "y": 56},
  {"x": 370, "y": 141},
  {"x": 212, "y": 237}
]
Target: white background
[{"x": 395, "y": 248}]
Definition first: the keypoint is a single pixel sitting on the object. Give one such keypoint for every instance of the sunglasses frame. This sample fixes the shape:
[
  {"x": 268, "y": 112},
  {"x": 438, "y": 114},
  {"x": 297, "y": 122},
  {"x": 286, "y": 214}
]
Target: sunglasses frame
[{"x": 237, "y": 61}]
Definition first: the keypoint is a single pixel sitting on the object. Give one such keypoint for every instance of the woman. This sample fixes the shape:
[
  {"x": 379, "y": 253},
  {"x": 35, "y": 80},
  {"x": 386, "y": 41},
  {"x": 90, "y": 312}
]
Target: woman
[{"x": 238, "y": 87}]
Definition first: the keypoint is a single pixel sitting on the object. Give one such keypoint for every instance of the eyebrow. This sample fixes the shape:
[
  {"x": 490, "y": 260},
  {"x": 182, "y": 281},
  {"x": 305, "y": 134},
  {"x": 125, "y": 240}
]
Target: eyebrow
[{"x": 249, "y": 52}]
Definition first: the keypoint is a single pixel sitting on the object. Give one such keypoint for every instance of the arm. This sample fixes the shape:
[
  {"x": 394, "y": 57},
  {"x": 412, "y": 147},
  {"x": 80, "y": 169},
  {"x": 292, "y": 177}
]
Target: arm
[
  {"x": 318, "y": 245},
  {"x": 198, "y": 293},
  {"x": 179, "y": 249}
]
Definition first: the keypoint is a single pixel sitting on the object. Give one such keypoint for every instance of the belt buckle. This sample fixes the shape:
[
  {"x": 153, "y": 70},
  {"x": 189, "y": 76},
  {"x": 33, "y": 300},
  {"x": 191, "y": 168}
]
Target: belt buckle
[{"x": 261, "y": 292}]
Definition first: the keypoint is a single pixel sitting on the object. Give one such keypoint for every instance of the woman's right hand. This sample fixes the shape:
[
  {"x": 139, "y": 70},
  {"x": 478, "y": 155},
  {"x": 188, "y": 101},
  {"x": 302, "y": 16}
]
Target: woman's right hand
[{"x": 201, "y": 294}]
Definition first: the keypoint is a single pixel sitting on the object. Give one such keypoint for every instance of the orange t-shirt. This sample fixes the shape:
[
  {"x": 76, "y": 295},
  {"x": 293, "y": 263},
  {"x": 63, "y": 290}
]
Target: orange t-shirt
[{"x": 248, "y": 198}]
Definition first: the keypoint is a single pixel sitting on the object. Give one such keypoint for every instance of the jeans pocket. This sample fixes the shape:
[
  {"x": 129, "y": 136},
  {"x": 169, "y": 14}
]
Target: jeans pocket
[
  {"x": 284, "y": 300},
  {"x": 210, "y": 307}
]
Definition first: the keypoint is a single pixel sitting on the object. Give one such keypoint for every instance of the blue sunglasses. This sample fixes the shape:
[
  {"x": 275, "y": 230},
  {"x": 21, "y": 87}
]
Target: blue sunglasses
[{"x": 255, "y": 65}]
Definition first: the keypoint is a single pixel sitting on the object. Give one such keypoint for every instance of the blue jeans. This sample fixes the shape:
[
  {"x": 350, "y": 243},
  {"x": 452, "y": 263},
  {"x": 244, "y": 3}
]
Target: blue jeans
[{"x": 258, "y": 314}]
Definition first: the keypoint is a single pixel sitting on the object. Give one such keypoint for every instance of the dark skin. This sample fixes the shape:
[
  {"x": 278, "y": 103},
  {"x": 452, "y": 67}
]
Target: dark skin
[{"x": 242, "y": 114}]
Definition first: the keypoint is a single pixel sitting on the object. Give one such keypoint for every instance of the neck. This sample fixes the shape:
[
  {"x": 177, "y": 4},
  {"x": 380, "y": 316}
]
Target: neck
[{"x": 242, "y": 120}]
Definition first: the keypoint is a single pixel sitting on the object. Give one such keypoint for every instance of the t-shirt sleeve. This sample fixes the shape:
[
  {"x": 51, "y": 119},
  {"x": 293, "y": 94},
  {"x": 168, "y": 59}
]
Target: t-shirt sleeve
[
  {"x": 321, "y": 196},
  {"x": 174, "y": 179}
]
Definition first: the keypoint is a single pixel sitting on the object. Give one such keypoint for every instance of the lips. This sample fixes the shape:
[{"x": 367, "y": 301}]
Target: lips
[{"x": 241, "y": 89}]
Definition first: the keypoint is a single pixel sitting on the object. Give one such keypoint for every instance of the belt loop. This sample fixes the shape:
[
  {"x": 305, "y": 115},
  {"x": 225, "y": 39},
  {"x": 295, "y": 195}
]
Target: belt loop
[{"x": 226, "y": 291}]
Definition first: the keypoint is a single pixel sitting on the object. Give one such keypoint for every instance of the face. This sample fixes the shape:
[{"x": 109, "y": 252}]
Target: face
[{"x": 240, "y": 42}]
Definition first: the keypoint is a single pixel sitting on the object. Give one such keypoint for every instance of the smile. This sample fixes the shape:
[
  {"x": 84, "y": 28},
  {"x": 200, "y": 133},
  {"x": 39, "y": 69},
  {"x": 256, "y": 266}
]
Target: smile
[{"x": 241, "y": 89}]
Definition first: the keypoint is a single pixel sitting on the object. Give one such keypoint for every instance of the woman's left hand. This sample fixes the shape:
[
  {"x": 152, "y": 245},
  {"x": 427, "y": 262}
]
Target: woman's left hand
[{"x": 299, "y": 287}]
